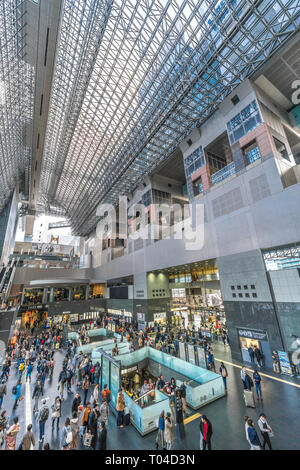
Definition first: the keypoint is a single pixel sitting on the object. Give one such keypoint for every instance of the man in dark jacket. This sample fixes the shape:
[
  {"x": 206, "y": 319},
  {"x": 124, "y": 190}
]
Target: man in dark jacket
[
  {"x": 92, "y": 425},
  {"x": 206, "y": 432},
  {"x": 183, "y": 397},
  {"x": 76, "y": 402},
  {"x": 69, "y": 374},
  {"x": 102, "y": 436},
  {"x": 258, "y": 356}
]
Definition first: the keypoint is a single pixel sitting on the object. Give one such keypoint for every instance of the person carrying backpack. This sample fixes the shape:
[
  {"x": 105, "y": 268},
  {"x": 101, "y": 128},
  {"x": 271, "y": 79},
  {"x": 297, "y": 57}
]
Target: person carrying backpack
[
  {"x": 28, "y": 372},
  {"x": 224, "y": 374},
  {"x": 16, "y": 391},
  {"x": 42, "y": 418}
]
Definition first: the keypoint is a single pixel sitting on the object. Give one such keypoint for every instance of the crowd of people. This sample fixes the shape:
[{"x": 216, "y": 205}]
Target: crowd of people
[{"x": 31, "y": 357}]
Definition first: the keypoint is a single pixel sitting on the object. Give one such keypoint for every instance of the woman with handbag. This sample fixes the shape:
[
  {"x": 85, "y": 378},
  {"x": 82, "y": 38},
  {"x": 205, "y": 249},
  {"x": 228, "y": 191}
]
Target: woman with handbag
[
  {"x": 104, "y": 412},
  {"x": 95, "y": 396},
  {"x": 11, "y": 436},
  {"x": 56, "y": 414},
  {"x": 75, "y": 430},
  {"x": 66, "y": 436}
]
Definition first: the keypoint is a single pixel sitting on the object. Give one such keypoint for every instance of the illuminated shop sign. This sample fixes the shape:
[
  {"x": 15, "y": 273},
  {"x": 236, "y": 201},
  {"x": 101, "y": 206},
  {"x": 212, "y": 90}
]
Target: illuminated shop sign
[{"x": 260, "y": 335}]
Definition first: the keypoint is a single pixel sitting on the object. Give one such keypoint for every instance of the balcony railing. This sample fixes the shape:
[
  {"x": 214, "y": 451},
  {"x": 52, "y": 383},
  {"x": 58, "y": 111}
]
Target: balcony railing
[{"x": 223, "y": 173}]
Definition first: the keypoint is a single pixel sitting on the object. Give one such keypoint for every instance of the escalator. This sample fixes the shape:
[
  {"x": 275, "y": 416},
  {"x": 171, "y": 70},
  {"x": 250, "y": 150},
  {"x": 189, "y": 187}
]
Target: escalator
[{"x": 6, "y": 279}]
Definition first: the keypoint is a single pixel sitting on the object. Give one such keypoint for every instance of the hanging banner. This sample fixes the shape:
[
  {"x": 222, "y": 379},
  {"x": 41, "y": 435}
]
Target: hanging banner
[
  {"x": 201, "y": 358},
  {"x": 191, "y": 353},
  {"x": 182, "y": 354}
]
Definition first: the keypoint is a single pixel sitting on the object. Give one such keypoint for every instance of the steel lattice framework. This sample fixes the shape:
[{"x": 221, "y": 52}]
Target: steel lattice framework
[
  {"x": 16, "y": 99},
  {"x": 132, "y": 78}
]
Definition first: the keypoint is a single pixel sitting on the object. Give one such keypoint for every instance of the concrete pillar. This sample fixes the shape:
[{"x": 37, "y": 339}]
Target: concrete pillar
[
  {"x": 51, "y": 295},
  {"x": 45, "y": 294}
]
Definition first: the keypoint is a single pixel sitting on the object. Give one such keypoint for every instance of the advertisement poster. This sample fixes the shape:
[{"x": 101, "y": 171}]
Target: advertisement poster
[
  {"x": 191, "y": 352},
  {"x": 201, "y": 358},
  {"x": 285, "y": 364},
  {"x": 182, "y": 351}
]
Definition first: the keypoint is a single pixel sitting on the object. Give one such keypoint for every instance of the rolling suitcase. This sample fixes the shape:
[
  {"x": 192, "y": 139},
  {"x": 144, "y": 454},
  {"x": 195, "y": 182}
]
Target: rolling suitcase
[{"x": 249, "y": 398}]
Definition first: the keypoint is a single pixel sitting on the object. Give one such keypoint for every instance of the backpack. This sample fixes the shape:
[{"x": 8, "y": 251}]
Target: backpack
[
  {"x": 14, "y": 390},
  {"x": 44, "y": 414}
]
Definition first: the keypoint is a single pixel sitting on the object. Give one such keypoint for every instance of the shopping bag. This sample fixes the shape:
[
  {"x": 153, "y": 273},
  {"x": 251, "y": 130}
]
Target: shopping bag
[
  {"x": 87, "y": 440},
  {"x": 21, "y": 398},
  {"x": 57, "y": 346}
]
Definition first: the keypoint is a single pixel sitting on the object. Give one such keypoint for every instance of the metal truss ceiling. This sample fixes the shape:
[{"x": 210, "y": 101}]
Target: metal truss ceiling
[
  {"x": 131, "y": 79},
  {"x": 16, "y": 99}
]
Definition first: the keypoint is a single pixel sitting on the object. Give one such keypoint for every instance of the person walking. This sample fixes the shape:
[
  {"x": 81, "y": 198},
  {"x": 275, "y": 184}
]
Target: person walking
[
  {"x": 85, "y": 416},
  {"x": 169, "y": 431},
  {"x": 11, "y": 435},
  {"x": 104, "y": 412},
  {"x": 102, "y": 436},
  {"x": 160, "y": 438},
  {"x": 246, "y": 379},
  {"x": 56, "y": 412},
  {"x": 251, "y": 354},
  {"x": 76, "y": 403},
  {"x": 258, "y": 356},
  {"x": 28, "y": 440},
  {"x": 66, "y": 436},
  {"x": 17, "y": 393},
  {"x": 120, "y": 408},
  {"x": 257, "y": 383},
  {"x": 206, "y": 431},
  {"x": 85, "y": 388},
  {"x": 106, "y": 394},
  {"x": 224, "y": 374},
  {"x": 3, "y": 391},
  {"x": 75, "y": 430},
  {"x": 183, "y": 397},
  {"x": 28, "y": 372},
  {"x": 211, "y": 362},
  {"x": 36, "y": 395},
  {"x": 93, "y": 425},
  {"x": 62, "y": 380},
  {"x": 95, "y": 395},
  {"x": 253, "y": 437},
  {"x": 43, "y": 415},
  {"x": 246, "y": 418},
  {"x": 266, "y": 431}
]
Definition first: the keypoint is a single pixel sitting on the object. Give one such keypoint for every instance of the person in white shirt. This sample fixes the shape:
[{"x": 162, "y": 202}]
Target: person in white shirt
[{"x": 266, "y": 431}]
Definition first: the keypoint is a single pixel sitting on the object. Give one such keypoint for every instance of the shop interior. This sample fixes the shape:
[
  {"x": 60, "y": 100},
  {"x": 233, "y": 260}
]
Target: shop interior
[{"x": 33, "y": 296}]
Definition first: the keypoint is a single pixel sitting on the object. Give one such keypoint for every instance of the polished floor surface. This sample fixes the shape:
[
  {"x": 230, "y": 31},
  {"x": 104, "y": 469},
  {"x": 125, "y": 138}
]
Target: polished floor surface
[{"x": 280, "y": 404}]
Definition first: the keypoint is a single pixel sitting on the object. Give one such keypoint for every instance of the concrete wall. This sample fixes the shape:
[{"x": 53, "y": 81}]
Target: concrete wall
[
  {"x": 286, "y": 289},
  {"x": 247, "y": 271},
  {"x": 251, "y": 211}
]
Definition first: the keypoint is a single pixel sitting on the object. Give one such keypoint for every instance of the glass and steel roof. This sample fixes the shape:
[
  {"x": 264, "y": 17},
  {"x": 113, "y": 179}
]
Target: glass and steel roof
[
  {"x": 16, "y": 99},
  {"x": 132, "y": 78}
]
